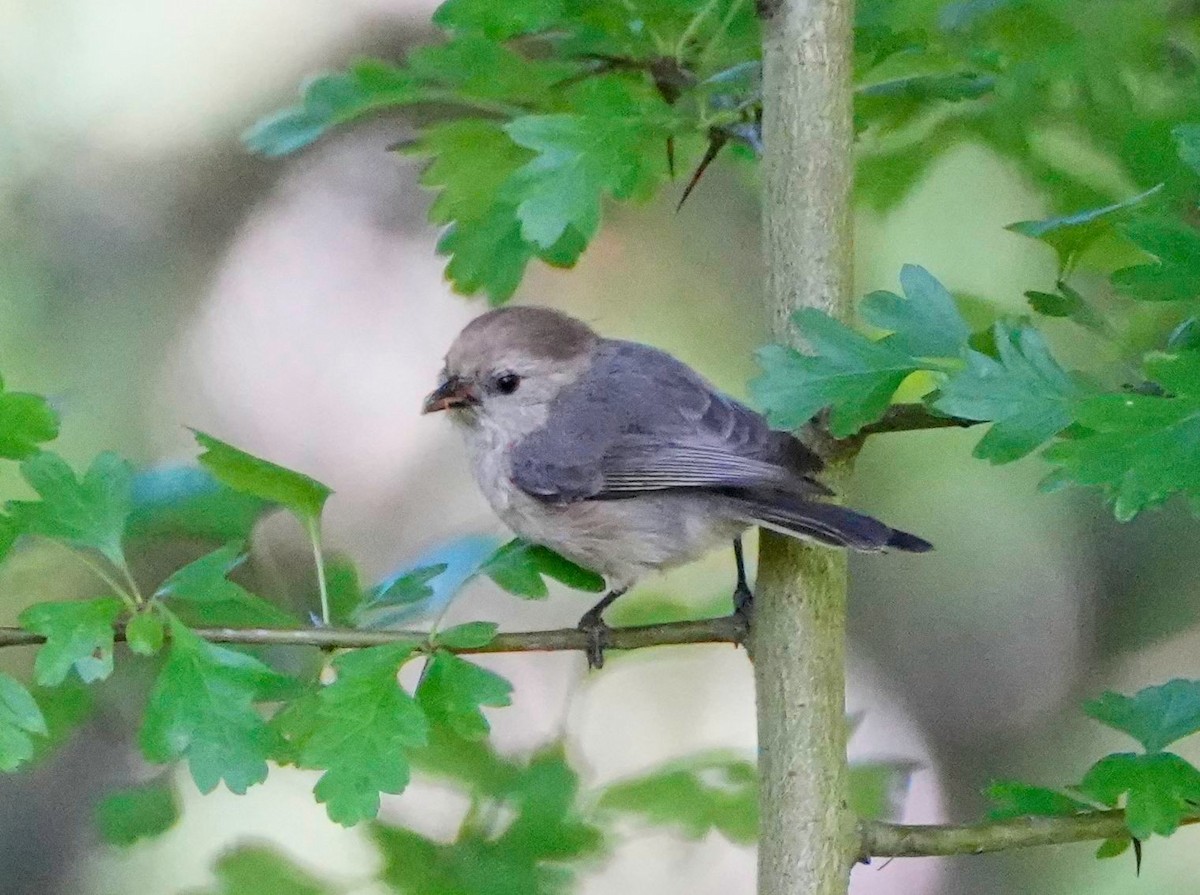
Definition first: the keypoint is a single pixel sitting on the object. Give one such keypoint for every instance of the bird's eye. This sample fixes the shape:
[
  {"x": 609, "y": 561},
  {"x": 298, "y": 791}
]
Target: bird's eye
[{"x": 506, "y": 383}]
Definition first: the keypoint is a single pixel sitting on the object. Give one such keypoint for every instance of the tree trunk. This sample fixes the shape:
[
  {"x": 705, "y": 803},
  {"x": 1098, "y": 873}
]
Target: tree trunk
[{"x": 807, "y": 840}]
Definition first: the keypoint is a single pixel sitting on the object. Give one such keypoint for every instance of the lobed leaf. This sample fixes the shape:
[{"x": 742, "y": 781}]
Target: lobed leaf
[
  {"x": 1023, "y": 392},
  {"x": 847, "y": 372},
  {"x": 20, "y": 720},
  {"x": 1175, "y": 275},
  {"x": 1071, "y": 234},
  {"x": 1159, "y": 790},
  {"x": 26, "y": 421},
  {"x": 201, "y": 708},
  {"x": 453, "y": 692},
  {"x": 330, "y": 100},
  {"x": 519, "y": 567},
  {"x": 201, "y": 593},
  {"x": 260, "y": 478},
  {"x": 1138, "y": 448},
  {"x": 925, "y": 323},
  {"x": 79, "y": 635},
  {"x": 1155, "y": 717},
  {"x": 611, "y": 147},
  {"x": 358, "y": 732},
  {"x": 90, "y": 512}
]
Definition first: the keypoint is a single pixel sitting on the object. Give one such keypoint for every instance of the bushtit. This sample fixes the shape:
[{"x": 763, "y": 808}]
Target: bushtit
[{"x": 624, "y": 459}]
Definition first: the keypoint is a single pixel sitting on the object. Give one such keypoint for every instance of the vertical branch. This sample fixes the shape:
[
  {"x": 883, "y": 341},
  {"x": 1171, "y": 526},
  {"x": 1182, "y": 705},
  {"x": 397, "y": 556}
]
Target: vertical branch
[{"x": 807, "y": 841}]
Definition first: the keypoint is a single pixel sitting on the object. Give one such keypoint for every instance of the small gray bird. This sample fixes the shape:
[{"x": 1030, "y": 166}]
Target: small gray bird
[{"x": 624, "y": 459}]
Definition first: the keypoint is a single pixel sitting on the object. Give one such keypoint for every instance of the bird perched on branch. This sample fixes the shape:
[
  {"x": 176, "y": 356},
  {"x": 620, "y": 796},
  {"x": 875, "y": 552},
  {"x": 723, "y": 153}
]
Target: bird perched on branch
[{"x": 624, "y": 459}]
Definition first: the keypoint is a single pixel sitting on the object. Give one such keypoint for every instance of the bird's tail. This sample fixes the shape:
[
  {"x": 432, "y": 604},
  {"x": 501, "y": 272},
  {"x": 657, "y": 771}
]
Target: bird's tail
[{"x": 826, "y": 523}]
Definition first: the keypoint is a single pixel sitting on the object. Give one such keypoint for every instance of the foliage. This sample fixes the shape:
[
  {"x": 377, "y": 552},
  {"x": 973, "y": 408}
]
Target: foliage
[
  {"x": 534, "y": 116},
  {"x": 1159, "y": 790}
]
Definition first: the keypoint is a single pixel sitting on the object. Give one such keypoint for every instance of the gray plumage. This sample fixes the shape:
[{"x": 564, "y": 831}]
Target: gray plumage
[{"x": 623, "y": 458}]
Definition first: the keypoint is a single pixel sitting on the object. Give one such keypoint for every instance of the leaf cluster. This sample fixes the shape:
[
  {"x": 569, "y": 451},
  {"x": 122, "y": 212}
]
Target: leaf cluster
[{"x": 1158, "y": 789}]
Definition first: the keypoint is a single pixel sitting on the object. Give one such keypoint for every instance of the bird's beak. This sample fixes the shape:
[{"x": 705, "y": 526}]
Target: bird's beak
[{"x": 454, "y": 392}]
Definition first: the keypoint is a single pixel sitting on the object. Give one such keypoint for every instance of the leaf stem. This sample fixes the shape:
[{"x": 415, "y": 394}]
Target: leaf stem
[
  {"x": 99, "y": 572},
  {"x": 690, "y": 31},
  {"x": 312, "y": 525},
  {"x": 719, "y": 35}
]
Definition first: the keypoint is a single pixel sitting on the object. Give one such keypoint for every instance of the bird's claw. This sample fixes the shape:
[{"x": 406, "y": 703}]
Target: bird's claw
[
  {"x": 743, "y": 609},
  {"x": 593, "y": 625}
]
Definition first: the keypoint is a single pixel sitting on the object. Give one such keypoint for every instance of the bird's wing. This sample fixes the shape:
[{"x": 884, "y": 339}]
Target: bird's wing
[{"x": 639, "y": 421}]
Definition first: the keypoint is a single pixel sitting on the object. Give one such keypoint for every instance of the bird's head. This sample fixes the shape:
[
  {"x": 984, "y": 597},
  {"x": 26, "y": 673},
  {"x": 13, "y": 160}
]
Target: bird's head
[{"x": 507, "y": 365}]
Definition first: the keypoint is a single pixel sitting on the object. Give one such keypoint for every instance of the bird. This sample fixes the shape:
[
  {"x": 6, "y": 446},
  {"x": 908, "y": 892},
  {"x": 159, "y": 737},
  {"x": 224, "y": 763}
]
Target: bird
[{"x": 624, "y": 459}]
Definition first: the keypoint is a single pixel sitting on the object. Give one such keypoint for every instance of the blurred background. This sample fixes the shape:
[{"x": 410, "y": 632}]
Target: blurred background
[{"x": 154, "y": 275}]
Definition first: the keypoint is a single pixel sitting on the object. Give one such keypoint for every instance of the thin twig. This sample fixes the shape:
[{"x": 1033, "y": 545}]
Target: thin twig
[
  {"x": 728, "y": 629},
  {"x": 887, "y": 840}
]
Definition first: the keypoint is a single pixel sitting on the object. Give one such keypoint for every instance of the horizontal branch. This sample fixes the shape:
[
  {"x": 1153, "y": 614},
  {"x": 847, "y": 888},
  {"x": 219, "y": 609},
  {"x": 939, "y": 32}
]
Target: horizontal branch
[
  {"x": 886, "y": 840},
  {"x": 728, "y": 629}
]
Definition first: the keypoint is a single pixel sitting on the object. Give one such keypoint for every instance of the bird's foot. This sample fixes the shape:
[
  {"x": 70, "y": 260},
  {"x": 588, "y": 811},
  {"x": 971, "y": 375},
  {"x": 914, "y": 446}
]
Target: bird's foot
[
  {"x": 597, "y": 630},
  {"x": 743, "y": 610}
]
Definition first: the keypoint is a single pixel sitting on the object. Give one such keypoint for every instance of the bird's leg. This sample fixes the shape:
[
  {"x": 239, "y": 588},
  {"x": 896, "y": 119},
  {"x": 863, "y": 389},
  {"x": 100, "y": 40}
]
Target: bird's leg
[
  {"x": 592, "y": 624},
  {"x": 743, "y": 598}
]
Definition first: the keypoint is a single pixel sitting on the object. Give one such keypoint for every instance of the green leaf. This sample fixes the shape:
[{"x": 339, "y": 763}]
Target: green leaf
[
  {"x": 139, "y": 812},
  {"x": 346, "y": 599},
  {"x": 470, "y": 159},
  {"x": 64, "y": 709},
  {"x": 259, "y": 870},
  {"x": 9, "y": 532},
  {"x": 85, "y": 513},
  {"x": 877, "y": 789},
  {"x": 201, "y": 708},
  {"x": 412, "y": 587},
  {"x": 302, "y": 495},
  {"x": 1155, "y": 716},
  {"x": 1160, "y": 789},
  {"x": 480, "y": 73},
  {"x": 452, "y": 692},
  {"x": 26, "y": 421},
  {"x": 847, "y": 372},
  {"x": 926, "y": 323},
  {"x": 518, "y": 567},
  {"x": 1015, "y": 799},
  {"x": 1068, "y": 303},
  {"x": 1139, "y": 448},
  {"x": 144, "y": 633},
  {"x": 330, "y": 100},
  {"x": 487, "y": 254},
  {"x": 186, "y": 502},
  {"x": 529, "y": 855},
  {"x": 362, "y": 725},
  {"x": 1024, "y": 393},
  {"x": 1069, "y": 236},
  {"x": 1175, "y": 276},
  {"x": 1187, "y": 142},
  {"x": 614, "y": 148},
  {"x": 695, "y": 796},
  {"x": 79, "y": 635},
  {"x": 1112, "y": 848},
  {"x": 19, "y": 717},
  {"x": 498, "y": 22},
  {"x": 467, "y": 636},
  {"x": 201, "y": 593}
]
